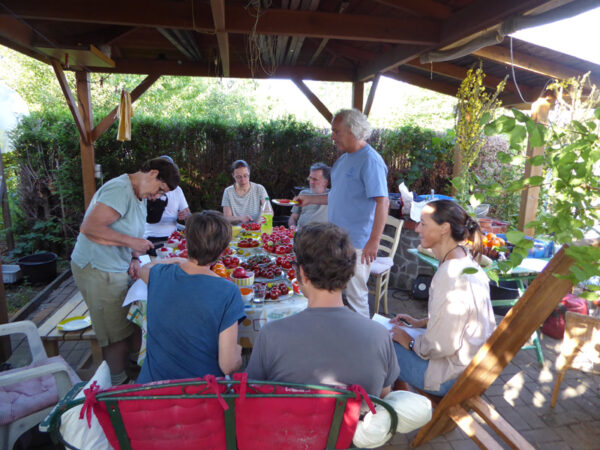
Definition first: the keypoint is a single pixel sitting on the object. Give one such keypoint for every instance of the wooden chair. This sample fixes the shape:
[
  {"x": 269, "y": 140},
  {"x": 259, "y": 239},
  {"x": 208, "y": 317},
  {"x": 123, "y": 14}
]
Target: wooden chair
[
  {"x": 580, "y": 348},
  {"x": 382, "y": 266},
  {"x": 538, "y": 301}
]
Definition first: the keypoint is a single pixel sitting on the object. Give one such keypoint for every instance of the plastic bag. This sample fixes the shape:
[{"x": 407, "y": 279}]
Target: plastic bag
[
  {"x": 407, "y": 198},
  {"x": 413, "y": 412}
]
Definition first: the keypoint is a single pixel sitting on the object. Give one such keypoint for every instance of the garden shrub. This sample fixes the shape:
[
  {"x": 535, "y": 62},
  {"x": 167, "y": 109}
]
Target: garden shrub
[{"x": 45, "y": 180}]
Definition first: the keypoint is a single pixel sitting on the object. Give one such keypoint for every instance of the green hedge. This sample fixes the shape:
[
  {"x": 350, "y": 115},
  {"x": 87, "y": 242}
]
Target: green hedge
[{"x": 45, "y": 181}]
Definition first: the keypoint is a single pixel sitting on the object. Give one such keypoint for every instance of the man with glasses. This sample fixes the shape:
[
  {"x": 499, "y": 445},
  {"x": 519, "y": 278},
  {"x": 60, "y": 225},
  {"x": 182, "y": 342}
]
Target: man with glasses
[{"x": 318, "y": 180}]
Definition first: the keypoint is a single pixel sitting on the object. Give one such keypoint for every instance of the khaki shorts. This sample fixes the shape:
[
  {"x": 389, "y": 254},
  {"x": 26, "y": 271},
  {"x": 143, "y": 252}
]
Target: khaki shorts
[{"x": 103, "y": 293}]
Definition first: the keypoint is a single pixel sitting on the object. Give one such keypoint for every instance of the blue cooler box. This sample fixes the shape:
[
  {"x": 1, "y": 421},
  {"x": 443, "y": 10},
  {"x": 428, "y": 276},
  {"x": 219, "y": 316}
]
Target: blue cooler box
[{"x": 422, "y": 198}]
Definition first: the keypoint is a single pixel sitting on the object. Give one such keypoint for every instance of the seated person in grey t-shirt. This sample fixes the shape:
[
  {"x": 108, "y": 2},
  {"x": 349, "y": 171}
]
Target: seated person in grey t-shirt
[
  {"x": 318, "y": 179},
  {"x": 327, "y": 343}
]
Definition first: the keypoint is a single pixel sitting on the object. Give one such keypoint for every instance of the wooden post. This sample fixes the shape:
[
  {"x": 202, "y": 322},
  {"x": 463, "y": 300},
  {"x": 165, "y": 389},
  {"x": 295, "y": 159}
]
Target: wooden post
[
  {"x": 86, "y": 144},
  {"x": 371, "y": 96},
  {"x": 313, "y": 99},
  {"x": 357, "y": 95},
  {"x": 530, "y": 195}
]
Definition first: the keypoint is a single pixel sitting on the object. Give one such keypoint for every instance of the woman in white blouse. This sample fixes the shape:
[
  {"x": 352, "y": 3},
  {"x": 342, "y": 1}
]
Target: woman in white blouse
[
  {"x": 242, "y": 201},
  {"x": 460, "y": 317}
]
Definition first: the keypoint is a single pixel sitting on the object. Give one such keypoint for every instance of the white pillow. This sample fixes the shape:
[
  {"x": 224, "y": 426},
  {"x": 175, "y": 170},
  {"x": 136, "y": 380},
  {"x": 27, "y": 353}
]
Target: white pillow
[
  {"x": 413, "y": 412},
  {"x": 75, "y": 431}
]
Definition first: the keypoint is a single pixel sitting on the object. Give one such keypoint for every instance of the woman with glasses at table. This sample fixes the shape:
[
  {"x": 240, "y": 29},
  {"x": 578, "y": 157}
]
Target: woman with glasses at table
[
  {"x": 242, "y": 201},
  {"x": 460, "y": 317},
  {"x": 106, "y": 256}
]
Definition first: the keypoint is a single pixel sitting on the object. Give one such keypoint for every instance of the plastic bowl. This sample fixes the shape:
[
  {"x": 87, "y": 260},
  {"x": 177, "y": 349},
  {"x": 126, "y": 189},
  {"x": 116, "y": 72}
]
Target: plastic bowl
[
  {"x": 244, "y": 282},
  {"x": 247, "y": 294}
]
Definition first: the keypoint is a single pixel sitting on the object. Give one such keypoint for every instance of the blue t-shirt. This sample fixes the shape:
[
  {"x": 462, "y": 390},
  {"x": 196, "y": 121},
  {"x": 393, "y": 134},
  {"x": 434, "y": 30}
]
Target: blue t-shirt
[
  {"x": 186, "y": 313},
  {"x": 356, "y": 179}
]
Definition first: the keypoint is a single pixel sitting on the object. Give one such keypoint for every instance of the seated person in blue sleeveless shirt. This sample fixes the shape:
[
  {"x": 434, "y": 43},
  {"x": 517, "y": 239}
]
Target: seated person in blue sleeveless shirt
[{"x": 193, "y": 314}]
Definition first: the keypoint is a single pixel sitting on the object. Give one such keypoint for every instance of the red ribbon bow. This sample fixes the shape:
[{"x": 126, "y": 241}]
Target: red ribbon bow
[
  {"x": 211, "y": 381},
  {"x": 90, "y": 401},
  {"x": 243, "y": 379},
  {"x": 360, "y": 392}
]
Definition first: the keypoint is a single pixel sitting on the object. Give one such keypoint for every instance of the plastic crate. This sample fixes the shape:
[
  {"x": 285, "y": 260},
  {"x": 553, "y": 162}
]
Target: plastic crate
[
  {"x": 11, "y": 273},
  {"x": 491, "y": 225}
]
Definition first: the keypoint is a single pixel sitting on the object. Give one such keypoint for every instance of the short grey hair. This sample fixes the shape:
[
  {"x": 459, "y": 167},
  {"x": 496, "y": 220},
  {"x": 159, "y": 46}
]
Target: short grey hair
[
  {"x": 357, "y": 123},
  {"x": 324, "y": 168}
]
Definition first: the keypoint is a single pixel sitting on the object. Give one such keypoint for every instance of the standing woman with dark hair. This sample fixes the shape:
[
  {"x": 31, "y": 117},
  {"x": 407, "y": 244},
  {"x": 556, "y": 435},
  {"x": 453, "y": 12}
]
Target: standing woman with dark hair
[
  {"x": 106, "y": 256},
  {"x": 243, "y": 200},
  {"x": 460, "y": 317},
  {"x": 193, "y": 314}
]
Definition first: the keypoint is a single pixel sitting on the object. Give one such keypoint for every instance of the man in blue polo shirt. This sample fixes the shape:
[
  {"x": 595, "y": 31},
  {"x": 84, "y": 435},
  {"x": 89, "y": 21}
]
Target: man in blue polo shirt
[{"x": 358, "y": 200}]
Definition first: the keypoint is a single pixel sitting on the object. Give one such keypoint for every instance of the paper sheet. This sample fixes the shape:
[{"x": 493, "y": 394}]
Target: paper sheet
[
  {"x": 385, "y": 321},
  {"x": 137, "y": 291}
]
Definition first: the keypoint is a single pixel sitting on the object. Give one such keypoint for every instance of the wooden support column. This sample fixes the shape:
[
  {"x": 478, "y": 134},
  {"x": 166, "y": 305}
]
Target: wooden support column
[
  {"x": 358, "y": 89},
  {"x": 530, "y": 195},
  {"x": 314, "y": 99},
  {"x": 371, "y": 96},
  {"x": 86, "y": 145}
]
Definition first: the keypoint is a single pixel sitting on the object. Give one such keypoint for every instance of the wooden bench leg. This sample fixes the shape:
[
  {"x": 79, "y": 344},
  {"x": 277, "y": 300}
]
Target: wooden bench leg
[
  {"x": 97, "y": 357},
  {"x": 51, "y": 348}
]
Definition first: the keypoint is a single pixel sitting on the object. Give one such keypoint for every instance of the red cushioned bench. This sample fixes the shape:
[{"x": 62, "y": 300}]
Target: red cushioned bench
[{"x": 223, "y": 414}]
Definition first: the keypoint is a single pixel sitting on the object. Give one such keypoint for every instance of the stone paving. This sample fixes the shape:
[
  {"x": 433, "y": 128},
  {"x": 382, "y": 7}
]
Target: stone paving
[{"x": 521, "y": 394}]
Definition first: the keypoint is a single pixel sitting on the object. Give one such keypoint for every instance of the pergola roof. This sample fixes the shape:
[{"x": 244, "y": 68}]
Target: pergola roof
[{"x": 328, "y": 40}]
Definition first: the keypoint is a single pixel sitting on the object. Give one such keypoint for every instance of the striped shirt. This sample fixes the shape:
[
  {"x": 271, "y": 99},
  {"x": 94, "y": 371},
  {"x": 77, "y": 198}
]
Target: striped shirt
[{"x": 245, "y": 204}]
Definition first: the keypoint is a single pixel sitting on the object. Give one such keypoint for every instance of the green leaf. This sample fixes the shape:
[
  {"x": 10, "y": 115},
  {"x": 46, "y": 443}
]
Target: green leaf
[
  {"x": 493, "y": 276},
  {"x": 535, "y": 137},
  {"x": 485, "y": 118},
  {"x": 597, "y": 113},
  {"x": 515, "y": 236},
  {"x": 518, "y": 135},
  {"x": 520, "y": 116},
  {"x": 490, "y": 129},
  {"x": 504, "y": 157},
  {"x": 515, "y": 186},
  {"x": 505, "y": 124},
  {"x": 469, "y": 271},
  {"x": 537, "y": 160},
  {"x": 536, "y": 180}
]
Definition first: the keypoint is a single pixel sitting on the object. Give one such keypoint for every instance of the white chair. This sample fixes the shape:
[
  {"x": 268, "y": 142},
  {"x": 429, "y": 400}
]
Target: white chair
[
  {"x": 28, "y": 394},
  {"x": 382, "y": 266}
]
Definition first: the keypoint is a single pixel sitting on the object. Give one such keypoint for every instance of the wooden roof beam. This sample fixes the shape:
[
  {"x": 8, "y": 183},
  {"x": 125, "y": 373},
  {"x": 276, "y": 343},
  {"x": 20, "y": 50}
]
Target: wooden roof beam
[
  {"x": 308, "y": 24},
  {"x": 530, "y": 63},
  {"x": 475, "y": 17},
  {"x": 64, "y": 85},
  {"x": 460, "y": 73},
  {"x": 371, "y": 96},
  {"x": 187, "y": 68},
  {"x": 112, "y": 116},
  {"x": 424, "y": 82},
  {"x": 423, "y": 8},
  {"x": 218, "y": 14},
  {"x": 313, "y": 99}
]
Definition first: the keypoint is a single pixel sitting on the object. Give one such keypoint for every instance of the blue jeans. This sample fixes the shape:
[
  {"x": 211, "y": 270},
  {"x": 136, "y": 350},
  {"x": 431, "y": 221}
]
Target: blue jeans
[{"x": 412, "y": 370}]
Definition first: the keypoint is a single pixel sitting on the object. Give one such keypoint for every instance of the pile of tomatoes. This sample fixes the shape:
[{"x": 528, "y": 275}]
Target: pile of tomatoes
[
  {"x": 285, "y": 261},
  {"x": 230, "y": 262},
  {"x": 276, "y": 290},
  {"x": 268, "y": 271},
  {"x": 279, "y": 241},
  {"x": 251, "y": 226},
  {"x": 219, "y": 269},
  {"x": 248, "y": 243},
  {"x": 493, "y": 245}
]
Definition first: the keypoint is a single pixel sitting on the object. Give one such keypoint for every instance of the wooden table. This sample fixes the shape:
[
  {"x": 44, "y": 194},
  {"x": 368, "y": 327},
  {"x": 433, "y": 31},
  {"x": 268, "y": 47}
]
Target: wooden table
[{"x": 51, "y": 336}]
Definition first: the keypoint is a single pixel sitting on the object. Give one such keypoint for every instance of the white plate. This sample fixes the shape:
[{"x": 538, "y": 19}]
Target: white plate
[
  {"x": 290, "y": 203},
  {"x": 74, "y": 324}
]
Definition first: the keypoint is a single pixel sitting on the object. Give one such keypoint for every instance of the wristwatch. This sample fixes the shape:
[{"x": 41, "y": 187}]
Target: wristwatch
[{"x": 411, "y": 345}]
